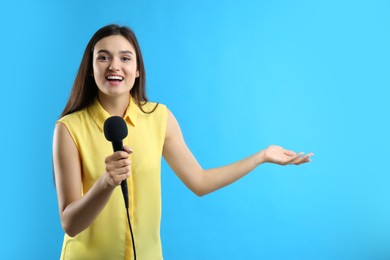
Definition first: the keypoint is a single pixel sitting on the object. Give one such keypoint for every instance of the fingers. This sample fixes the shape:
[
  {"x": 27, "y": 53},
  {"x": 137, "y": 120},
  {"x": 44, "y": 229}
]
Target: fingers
[
  {"x": 289, "y": 153},
  {"x": 290, "y": 157},
  {"x": 118, "y": 171},
  {"x": 117, "y": 156},
  {"x": 118, "y": 166},
  {"x": 128, "y": 149},
  {"x": 302, "y": 159}
]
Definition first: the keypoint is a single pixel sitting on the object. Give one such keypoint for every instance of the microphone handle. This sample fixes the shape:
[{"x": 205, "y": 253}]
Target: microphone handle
[
  {"x": 117, "y": 146},
  {"x": 125, "y": 193}
]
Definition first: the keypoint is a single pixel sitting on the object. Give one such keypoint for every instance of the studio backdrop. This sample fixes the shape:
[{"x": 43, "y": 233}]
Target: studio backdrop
[{"x": 311, "y": 76}]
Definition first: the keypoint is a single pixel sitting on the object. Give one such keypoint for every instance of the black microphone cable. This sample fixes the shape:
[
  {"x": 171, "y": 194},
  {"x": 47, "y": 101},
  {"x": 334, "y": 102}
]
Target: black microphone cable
[{"x": 126, "y": 199}]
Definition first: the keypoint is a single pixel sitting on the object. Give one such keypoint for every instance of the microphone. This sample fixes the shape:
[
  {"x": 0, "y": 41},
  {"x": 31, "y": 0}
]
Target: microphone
[{"x": 115, "y": 130}]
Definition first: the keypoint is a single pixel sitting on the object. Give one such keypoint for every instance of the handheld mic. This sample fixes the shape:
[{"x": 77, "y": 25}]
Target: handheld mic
[{"x": 115, "y": 130}]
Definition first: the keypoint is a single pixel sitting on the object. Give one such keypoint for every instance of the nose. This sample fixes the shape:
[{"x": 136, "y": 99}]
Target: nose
[{"x": 114, "y": 66}]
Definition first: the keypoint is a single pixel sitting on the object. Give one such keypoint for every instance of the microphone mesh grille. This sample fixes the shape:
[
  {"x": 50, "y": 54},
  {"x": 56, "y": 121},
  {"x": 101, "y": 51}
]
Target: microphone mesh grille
[{"x": 115, "y": 129}]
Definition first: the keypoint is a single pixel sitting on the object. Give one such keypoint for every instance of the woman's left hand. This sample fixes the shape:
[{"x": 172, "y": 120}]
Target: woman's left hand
[{"x": 279, "y": 155}]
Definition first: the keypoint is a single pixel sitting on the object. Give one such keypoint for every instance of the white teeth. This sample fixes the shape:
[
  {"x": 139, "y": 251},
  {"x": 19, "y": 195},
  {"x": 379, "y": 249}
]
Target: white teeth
[{"x": 114, "y": 77}]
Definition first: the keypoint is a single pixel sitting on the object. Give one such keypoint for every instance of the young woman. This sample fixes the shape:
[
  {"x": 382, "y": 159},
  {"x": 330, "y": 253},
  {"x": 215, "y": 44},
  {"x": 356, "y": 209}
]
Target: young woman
[{"x": 111, "y": 82}]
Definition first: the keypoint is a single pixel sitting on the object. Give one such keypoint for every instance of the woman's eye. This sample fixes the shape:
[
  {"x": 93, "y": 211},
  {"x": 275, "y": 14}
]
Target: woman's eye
[
  {"x": 125, "y": 59},
  {"x": 103, "y": 58}
]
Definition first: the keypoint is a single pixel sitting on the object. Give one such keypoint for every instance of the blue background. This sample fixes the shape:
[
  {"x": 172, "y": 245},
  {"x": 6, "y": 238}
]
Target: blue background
[{"x": 307, "y": 75}]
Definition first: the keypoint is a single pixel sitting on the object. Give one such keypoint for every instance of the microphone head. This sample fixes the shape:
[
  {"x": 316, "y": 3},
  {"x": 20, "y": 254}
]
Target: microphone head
[{"x": 115, "y": 129}]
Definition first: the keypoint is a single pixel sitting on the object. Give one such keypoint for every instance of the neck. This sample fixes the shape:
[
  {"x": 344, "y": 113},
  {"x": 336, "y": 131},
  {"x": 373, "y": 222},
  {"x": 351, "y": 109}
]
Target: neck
[{"x": 115, "y": 106}]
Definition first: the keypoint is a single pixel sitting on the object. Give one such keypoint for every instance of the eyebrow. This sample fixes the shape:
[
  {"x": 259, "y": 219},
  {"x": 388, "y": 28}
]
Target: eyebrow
[{"x": 121, "y": 52}]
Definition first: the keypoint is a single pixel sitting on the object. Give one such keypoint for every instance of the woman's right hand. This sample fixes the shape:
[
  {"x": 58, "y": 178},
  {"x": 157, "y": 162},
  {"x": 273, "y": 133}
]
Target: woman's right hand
[{"x": 118, "y": 167}]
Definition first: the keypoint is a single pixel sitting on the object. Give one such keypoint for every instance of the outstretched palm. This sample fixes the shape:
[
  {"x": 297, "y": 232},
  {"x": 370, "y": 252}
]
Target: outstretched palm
[{"x": 279, "y": 155}]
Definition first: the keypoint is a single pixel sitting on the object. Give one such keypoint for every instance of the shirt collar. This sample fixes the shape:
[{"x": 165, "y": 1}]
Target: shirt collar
[{"x": 99, "y": 115}]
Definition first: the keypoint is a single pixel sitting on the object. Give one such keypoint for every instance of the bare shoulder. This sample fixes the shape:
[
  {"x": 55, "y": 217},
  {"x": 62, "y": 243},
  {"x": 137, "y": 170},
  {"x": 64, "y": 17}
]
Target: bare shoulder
[
  {"x": 62, "y": 136},
  {"x": 65, "y": 151},
  {"x": 173, "y": 128}
]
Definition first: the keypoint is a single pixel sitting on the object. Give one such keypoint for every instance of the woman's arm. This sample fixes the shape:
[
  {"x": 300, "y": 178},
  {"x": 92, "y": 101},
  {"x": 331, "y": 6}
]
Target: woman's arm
[
  {"x": 77, "y": 212},
  {"x": 202, "y": 182}
]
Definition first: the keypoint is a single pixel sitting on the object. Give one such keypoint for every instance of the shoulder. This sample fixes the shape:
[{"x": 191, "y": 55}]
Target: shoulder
[
  {"x": 73, "y": 122},
  {"x": 153, "y": 110},
  {"x": 154, "y": 106},
  {"x": 73, "y": 117},
  {"x": 173, "y": 126},
  {"x": 63, "y": 134}
]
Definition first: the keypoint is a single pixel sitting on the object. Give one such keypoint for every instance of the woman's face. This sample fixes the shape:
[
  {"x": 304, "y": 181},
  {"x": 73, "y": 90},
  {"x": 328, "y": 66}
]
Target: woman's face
[{"x": 114, "y": 66}]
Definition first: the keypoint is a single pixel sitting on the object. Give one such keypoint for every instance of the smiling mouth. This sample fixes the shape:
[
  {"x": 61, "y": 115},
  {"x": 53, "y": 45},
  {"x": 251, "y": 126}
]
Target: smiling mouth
[{"x": 114, "y": 78}]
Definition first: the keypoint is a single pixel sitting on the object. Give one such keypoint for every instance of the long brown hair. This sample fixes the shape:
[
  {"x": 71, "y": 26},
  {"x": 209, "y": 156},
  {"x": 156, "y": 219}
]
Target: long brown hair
[{"x": 84, "y": 88}]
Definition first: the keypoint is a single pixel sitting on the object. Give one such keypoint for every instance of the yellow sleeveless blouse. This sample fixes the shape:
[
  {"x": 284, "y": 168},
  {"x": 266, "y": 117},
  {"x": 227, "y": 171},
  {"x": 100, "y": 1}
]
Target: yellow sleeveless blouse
[{"x": 108, "y": 237}]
